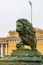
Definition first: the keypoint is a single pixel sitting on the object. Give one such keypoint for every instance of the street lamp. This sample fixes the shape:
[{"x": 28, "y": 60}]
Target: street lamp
[{"x": 31, "y": 10}]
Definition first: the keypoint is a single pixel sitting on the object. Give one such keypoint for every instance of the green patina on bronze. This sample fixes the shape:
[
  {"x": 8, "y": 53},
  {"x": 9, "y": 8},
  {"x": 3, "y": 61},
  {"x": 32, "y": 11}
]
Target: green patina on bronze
[{"x": 27, "y": 33}]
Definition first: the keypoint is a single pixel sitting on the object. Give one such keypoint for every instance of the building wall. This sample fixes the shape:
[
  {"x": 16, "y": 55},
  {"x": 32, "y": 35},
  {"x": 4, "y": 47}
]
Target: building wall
[
  {"x": 39, "y": 36},
  {"x": 13, "y": 34},
  {"x": 40, "y": 47},
  {"x": 12, "y": 44}
]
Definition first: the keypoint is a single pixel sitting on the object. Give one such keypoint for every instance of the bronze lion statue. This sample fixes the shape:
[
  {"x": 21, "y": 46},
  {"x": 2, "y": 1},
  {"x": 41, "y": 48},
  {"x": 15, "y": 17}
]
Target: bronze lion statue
[{"x": 27, "y": 33}]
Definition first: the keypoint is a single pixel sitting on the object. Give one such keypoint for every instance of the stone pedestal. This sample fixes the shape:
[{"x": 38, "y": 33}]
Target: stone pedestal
[
  {"x": 26, "y": 57},
  {"x": 25, "y": 52},
  {"x": 21, "y": 60},
  {"x": 23, "y": 57}
]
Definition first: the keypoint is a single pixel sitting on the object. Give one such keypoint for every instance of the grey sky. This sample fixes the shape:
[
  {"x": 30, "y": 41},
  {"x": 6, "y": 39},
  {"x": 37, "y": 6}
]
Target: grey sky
[{"x": 11, "y": 10}]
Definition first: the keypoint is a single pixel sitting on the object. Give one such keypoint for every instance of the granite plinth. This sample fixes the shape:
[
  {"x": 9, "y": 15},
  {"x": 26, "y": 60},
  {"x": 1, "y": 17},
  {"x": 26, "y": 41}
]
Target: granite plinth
[
  {"x": 22, "y": 57},
  {"x": 25, "y": 52}
]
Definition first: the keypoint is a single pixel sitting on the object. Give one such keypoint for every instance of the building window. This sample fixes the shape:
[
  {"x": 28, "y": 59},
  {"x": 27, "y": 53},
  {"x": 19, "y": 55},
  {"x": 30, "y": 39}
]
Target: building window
[{"x": 39, "y": 39}]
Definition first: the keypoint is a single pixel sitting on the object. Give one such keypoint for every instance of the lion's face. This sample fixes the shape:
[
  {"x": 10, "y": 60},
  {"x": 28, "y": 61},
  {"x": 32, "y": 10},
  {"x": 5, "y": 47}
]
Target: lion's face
[{"x": 19, "y": 26}]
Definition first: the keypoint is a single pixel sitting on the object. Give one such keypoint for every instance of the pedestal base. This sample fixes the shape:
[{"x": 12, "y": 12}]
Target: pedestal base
[
  {"x": 26, "y": 52},
  {"x": 23, "y": 57}
]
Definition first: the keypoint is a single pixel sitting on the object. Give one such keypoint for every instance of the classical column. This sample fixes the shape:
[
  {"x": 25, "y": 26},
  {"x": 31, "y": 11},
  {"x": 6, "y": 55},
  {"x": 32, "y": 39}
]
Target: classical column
[
  {"x": 5, "y": 49},
  {"x": 1, "y": 50}
]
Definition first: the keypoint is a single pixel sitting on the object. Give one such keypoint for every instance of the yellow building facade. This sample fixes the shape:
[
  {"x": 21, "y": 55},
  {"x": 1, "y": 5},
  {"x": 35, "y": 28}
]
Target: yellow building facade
[
  {"x": 9, "y": 43},
  {"x": 39, "y": 37}
]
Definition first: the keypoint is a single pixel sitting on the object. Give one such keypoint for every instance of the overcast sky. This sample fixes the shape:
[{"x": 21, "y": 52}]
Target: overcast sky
[{"x": 11, "y": 10}]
